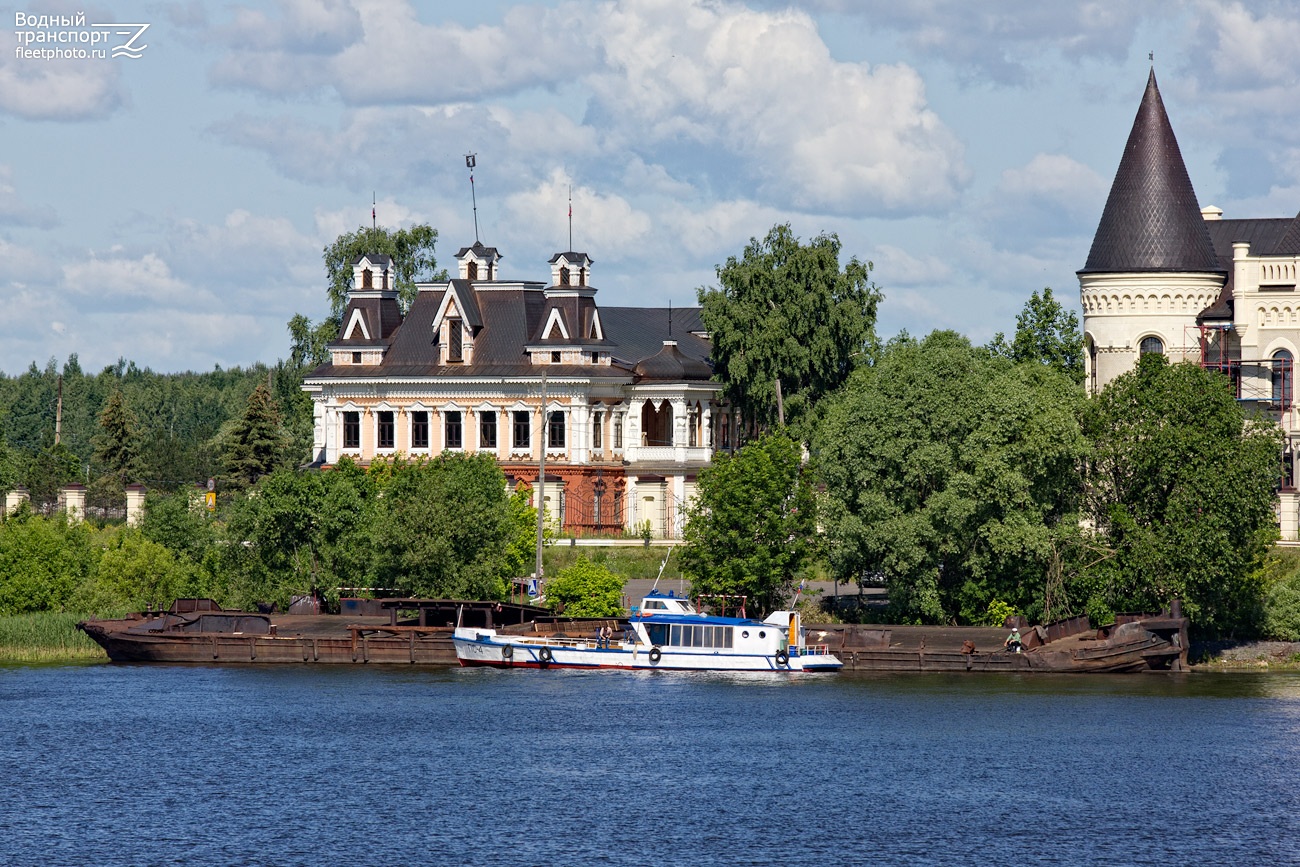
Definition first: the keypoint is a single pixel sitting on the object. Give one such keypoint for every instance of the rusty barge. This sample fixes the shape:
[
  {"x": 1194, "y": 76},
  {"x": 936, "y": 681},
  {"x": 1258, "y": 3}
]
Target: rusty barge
[
  {"x": 369, "y": 631},
  {"x": 373, "y": 632},
  {"x": 1135, "y": 642}
]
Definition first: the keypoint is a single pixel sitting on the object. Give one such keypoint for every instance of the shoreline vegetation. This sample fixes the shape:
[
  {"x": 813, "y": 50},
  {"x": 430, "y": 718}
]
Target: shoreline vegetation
[{"x": 46, "y": 636}]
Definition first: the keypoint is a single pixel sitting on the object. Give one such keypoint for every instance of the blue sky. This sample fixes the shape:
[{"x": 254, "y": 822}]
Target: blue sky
[{"x": 171, "y": 209}]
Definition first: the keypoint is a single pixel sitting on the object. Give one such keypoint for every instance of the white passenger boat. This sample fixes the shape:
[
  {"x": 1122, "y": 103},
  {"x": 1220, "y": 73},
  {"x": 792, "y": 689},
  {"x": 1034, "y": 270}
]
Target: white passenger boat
[{"x": 665, "y": 632}]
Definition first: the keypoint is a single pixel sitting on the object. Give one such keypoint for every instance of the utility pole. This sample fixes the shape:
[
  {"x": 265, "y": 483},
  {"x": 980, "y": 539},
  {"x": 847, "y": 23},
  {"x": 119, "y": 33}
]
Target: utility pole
[{"x": 58, "y": 414}]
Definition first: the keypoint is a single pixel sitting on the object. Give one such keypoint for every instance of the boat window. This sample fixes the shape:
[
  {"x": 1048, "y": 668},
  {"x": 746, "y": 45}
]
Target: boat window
[
  {"x": 762, "y": 634},
  {"x": 727, "y": 636},
  {"x": 744, "y": 634},
  {"x": 658, "y": 633},
  {"x": 676, "y": 640},
  {"x": 698, "y": 637},
  {"x": 708, "y": 635}
]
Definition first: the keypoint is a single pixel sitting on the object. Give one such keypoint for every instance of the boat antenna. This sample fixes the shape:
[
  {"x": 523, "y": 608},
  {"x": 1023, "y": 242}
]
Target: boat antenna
[
  {"x": 663, "y": 566},
  {"x": 470, "y": 161}
]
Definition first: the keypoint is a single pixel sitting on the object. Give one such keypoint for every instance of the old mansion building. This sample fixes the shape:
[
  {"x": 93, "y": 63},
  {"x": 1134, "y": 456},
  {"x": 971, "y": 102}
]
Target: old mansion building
[
  {"x": 1165, "y": 275},
  {"x": 620, "y": 398}
]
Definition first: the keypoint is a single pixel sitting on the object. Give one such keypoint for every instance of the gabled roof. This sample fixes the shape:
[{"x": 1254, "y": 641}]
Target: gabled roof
[
  {"x": 1152, "y": 221},
  {"x": 467, "y": 302},
  {"x": 375, "y": 259},
  {"x": 480, "y": 251}
]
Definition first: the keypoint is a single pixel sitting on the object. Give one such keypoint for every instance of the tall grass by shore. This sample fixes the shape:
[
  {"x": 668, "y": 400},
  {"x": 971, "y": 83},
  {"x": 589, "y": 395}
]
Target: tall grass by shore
[{"x": 46, "y": 636}]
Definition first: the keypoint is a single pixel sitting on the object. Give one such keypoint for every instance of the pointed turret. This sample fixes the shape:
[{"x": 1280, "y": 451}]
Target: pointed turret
[{"x": 1152, "y": 221}]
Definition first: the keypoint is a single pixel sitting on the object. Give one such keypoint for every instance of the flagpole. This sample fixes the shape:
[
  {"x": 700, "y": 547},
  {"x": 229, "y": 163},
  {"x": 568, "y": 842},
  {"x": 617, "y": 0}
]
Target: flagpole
[
  {"x": 470, "y": 162},
  {"x": 570, "y": 217}
]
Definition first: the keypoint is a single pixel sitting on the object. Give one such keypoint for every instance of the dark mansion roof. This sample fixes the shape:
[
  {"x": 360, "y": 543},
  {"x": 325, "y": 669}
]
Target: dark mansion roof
[{"x": 504, "y": 322}]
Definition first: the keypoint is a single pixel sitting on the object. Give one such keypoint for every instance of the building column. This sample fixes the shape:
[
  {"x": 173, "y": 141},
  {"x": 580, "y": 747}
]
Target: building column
[{"x": 134, "y": 504}]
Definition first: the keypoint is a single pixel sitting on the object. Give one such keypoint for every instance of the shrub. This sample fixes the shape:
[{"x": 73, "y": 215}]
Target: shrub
[
  {"x": 1282, "y": 610},
  {"x": 586, "y": 589}
]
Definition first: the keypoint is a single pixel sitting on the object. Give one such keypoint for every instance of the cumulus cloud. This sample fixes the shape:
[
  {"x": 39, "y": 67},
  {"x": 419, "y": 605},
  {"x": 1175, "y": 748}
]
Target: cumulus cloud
[
  {"x": 121, "y": 279},
  {"x": 1051, "y": 195},
  {"x": 809, "y": 131},
  {"x": 999, "y": 41},
  {"x": 60, "y": 90},
  {"x": 608, "y": 222},
  {"x": 679, "y": 85},
  {"x": 371, "y": 52}
]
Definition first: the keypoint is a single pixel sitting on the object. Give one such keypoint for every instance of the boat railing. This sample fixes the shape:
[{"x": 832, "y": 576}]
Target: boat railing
[{"x": 813, "y": 650}]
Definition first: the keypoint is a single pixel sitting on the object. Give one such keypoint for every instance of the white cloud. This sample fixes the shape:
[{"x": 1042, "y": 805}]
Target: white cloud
[
  {"x": 122, "y": 279},
  {"x": 372, "y": 52},
  {"x": 1250, "y": 52},
  {"x": 1052, "y": 195},
  {"x": 896, "y": 267},
  {"x": 607, "y": 222},
  {"x": 761, "y": 91},
  {"x": 1003, "y": 41},
  {"x": 61, "y": 90}
]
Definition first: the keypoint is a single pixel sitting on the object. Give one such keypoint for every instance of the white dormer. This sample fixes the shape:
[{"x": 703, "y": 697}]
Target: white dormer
[
  {"x": 478, "y": 262},
  {"x": 373, "y": 272},
  {"x": 571, "y": 270}
]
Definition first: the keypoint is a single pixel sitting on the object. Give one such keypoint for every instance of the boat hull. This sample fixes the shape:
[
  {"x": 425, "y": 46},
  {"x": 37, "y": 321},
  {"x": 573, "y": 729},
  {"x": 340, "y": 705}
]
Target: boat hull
[{"x": 486, "y": 648}]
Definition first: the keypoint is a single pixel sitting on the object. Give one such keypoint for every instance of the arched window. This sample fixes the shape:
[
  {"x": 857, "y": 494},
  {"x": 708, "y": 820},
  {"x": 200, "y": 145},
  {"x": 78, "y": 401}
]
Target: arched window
[
  {"x": 564, "y": 276},
  {"x": 367, "y": 279},
  {"x": 471, "y": 272},
  {"x": 1282, "y": 373},
  {"x": 1152, "y": 346},
  {"x": 1092, "y": 366}
]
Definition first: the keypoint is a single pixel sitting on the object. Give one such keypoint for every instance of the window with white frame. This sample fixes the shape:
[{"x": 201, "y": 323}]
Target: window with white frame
[
  {"x": 420, "y": 429},
  {"x": 597, "y": 419},
  {"x": 384, "y": 429},
  {"x": 555, "y": 430},
  {"x": 453, "y": 437},
  {"x": 522, "y": 430},
  {"x": 487, "y": 429},
  {"x": 351, "y": 430}
]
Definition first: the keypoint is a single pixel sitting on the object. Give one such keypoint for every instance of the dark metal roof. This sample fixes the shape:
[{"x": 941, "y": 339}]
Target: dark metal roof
[
  {"x": 480, "y": 251},
  {"x": 375, "y": 259},
  {"x": 468, "y": 302},
  {"x": 1290, "y": 243},
  {"x": 671, "y": 365},
  {"x": 640, "y": 332},
  {"x": 1152, "y": 221}
]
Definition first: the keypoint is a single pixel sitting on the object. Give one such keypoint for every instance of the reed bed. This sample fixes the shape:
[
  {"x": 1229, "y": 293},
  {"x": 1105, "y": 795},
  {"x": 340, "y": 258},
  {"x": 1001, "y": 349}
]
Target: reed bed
[{"x": 46, "y": 636}]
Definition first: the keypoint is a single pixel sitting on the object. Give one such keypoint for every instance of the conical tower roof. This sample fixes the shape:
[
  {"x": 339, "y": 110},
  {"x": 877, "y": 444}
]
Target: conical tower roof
[{"x": 1152, "y": 221}]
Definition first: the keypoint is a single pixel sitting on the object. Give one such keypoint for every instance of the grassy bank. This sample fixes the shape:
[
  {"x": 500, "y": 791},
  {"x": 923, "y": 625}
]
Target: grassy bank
[
  {"x": 628, "y": 562},
  {"x": 46, "y": 636}
]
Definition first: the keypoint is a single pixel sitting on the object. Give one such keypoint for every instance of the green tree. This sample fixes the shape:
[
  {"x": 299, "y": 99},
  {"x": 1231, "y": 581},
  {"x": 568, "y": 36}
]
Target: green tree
[
  {"x": 42, "y": 562},
  {"x": 1180, "y": 488},
  {"x": 50, "y": 470},
  {"x": 132, "y": 573},
  {"x": 256, "y": 444},
  {"x": 952, "y": 476},
  {"x": 585, "y": 589},
  {"x": 117, "y": 452},
  {"x": 750, "y": 529},
  {"x": 444, "y": 528},
  {"x": 301, "y": 532},
  {"x": 412, "y": 252},
  {"x": 1046, "y": 333},
  {"x": 787, "y": 311}
]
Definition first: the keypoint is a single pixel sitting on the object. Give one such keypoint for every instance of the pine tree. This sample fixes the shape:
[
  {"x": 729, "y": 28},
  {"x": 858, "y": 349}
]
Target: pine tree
[
  {"x": 257, "y": 444},
  {"x": 117, "y": 445}
]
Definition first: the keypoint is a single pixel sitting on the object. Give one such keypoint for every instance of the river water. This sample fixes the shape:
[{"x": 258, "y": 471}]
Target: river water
[{"x": 155, "y": 765}]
